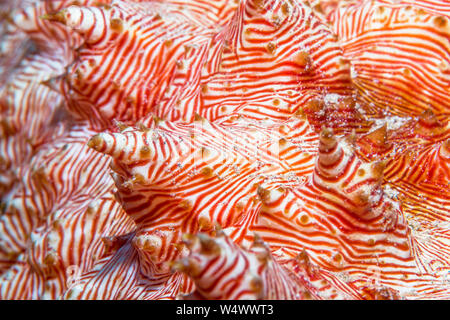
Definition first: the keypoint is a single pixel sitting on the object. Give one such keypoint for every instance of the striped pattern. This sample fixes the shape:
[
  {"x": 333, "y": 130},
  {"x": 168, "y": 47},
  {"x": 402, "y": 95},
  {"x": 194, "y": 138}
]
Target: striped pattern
[
  {"x": 33, "y": 51},
  {"x": 191, "y": 68},
  {"x": 117, "y": 276},
  {"x": 251, "y": 67},
  {"x": 320, "y": 126},
  {"x": 223, "y": 271},
  {"x": 151, "y": 37},
  {"x": 361, "y": 253},
  {"x": 179, "y": 178},
  {"x": 51, "y": 202},
  {"x": 400, "y": 55},
  {"x": 66, "y": 245},
  {"x": 25, "y": 102},
  {"x": 211, "y": 14},
  {"x": 54, "y": 177}
]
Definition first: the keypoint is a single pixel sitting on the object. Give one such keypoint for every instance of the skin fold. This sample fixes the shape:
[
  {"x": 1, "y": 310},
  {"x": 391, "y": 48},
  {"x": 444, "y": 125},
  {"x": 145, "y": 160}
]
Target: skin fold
[{"x": 253, "y": 149}]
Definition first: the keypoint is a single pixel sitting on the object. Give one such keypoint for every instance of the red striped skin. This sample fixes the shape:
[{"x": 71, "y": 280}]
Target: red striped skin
[
  {"x": 220, "y": 174},
  {"x": 372, "y": 34},
  {"x": 126, "y": 126},
  {"x": 223, "y": 271}
]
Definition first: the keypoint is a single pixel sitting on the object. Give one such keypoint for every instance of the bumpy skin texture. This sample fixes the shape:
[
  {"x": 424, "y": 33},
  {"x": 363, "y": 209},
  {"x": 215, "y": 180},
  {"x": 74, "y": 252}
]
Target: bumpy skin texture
[{"x": 261, "y": 149}]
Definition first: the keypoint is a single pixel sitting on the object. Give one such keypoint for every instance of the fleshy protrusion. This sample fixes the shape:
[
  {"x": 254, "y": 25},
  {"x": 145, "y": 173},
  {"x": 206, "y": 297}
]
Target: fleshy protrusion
[
  {"x": 339, "y": 170},
  {"x": 375, "y": 142},
  {"x": 254, "y": 274},
  {"x": 428, "y": 124},
  {"x": 125, "y": 147},
  {"x": 91, "y": 22}
]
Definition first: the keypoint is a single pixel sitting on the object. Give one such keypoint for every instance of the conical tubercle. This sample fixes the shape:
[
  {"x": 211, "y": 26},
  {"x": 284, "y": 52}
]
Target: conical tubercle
[
  {"x": 334, "y": 155},
  {"x": 217, "y": 260},
  {"x": 339, "y": 169},
  {"x": 376, "y": 139},
  {"x": 91, "y": 22},
  {"x": 126, "y": 147}
]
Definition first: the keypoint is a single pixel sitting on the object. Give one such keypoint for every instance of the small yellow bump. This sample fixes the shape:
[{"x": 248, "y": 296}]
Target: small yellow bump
[
  {"x": 207, "y": 172},
  {"x": 208, "y": 245},
  {"x": 263, "y": 194},
  {"x": 59, "y": 16},
  {"x": 121, "y": 126},
  {"x": 57, "y": 224},
  {"x": 276, "y": 20},
  {"x": 303, "y": 60},
  {"x": 115, "y": 84},
  {"x": 271, "y": 47},
  {"x": 51, "y": 259},
  {"x": 178, "y": 246},
  {"x": 303, "y": 257},
  {"x": 380, "y": 10},
  {"x": 95, "y": 142},
  {"x": 344, "y": 62},
  {"x": 285, "y": 9},
  {"x": 157, "y": 120},
  {"x": 256, "y": 285},
  {"x": 446, "y": 145},
  {"x": 100, "y": 5},
  {"x": 440, "y": 22},
  {"x": 337, "y": 258},
  {"x": 138, "y": 178},
  {"x": 407, "y": 72},
  {"x": 420, "y": 12},
  {"x": 304, "y": 219},
  {"x": 40, "y": 175},
  {"x": 185, "y": 204},
  {"x": 78, "y": 74},
  {"x": 361, "y": 198},
  {"x": 141, "y": 127},
  {"x": 307, "y": 295},
  {"x": 240, "y": 206},
  {"x": 7, "y": 128},
  {"x": 116, "y": 25},
  {"x": 187, "y": 49},
  {"x": 204, "y": 223},
  {"x": 300, "y": 113},
  {"x": 318, "y": 8},
  {"x": 378, "y": 169},
  {"x": 131, "y": 100},
  {"x": 259, "y": 4},
  {"x": 145, "y": 152}
]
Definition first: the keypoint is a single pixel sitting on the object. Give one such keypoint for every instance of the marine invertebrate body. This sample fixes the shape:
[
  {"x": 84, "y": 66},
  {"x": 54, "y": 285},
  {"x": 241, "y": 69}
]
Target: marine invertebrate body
[{"x": 254, "y": 149}]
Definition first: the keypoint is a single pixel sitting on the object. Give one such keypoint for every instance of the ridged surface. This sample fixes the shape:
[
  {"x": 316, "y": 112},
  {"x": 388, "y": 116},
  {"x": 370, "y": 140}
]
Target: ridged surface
[
  {"x": 399, "y": 55},
  {"x": 261, "y": 149}
]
